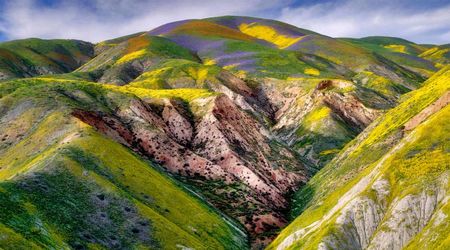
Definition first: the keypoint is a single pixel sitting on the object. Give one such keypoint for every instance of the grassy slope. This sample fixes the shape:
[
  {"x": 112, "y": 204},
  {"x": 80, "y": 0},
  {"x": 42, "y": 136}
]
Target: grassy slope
[
  {"x": 400, "y": 51},
  {"x": 176, "y": 73},
  {"x": 395, "y": 44},
  {"x": 21, "y": 58},
  {"x": 134, "y": 48},
  {"x": 253, "y": 47},
  {"x": 104, "y": 45},
  {"x": 122, "y": 62},
  {"x": 235, "y": 21},
  {"x": 406, "y": 174},
  {"x": 325, "y": 134},
  {"x": 283, "y": 51},
  {"x": 239, "y": 52},
  {"x": 70, "y": 186},
  {"x": 438, "y": 54},
  {"x": 268, "y": 62}
]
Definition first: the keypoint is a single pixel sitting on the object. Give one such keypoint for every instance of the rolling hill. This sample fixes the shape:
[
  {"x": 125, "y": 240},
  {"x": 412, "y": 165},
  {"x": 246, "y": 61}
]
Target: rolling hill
[
  {"x": 217, "y": 133},
  {"x": 33, "y": 57}
]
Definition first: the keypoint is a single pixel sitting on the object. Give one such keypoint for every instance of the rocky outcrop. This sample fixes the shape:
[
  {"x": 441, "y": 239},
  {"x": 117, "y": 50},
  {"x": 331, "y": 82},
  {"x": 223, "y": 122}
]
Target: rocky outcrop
[
  {"x": 372, "y": 222},
  {"x": 178, "y": 121},
  {"x": 312, "y": 135},
  {"x": 253, "y": 95},
  {"x": 351, "y": 110},
  {"x": 367, "y": 223},
  {"x": 217, "y": 143}
]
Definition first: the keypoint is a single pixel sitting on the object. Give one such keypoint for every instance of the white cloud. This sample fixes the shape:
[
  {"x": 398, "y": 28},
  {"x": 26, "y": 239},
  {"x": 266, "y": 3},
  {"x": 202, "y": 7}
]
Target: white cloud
[
  {"x": 96, "y": 20},
  {"x": 356, "y": 18},
  {"x": 104, "y": 19}
]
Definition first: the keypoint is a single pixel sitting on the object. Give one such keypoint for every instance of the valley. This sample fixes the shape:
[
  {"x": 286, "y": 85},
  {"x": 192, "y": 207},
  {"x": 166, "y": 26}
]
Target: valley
[{"x": 224, "y": 133}]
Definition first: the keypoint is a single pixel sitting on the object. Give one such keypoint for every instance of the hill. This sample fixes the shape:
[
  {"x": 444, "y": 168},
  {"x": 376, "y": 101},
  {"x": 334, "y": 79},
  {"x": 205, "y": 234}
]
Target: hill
[
  {"x": 200, "y": 133},
  {"x": 64, "y": 185},
  {"x": 32, "y": 57},
  {"x": 388, "y": 188}
]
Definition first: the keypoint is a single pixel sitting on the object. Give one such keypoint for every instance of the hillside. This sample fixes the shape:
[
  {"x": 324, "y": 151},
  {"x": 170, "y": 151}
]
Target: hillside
[
  {"x": 65, "y": 185},
  {"x": 208, "y": 134},
  {"x": 389, "y": 188},
  {"x": 33, "y": 57},
  {"x": 196, "y": 53}
]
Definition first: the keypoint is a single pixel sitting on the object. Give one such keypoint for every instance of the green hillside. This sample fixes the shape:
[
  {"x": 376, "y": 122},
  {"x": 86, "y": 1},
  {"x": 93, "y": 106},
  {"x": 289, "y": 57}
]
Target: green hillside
[
  {"x": 358, "y": 199},
  {"x": 31, "y": 57},
  {"x": 227, "y": 132},
  {"x": 438, "y": 54},
  {"x": 65, "y": 185}
]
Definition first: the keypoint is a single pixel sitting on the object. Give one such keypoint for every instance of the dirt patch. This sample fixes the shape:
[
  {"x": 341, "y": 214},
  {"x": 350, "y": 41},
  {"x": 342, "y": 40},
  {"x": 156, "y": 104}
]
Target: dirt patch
[{"x": 427, "y": 112}]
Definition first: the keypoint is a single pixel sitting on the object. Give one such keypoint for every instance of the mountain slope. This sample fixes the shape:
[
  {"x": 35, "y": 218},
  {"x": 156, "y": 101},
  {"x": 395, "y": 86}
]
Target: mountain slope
[
  {"x": 388, "y": 188},
  {"x": 238, "y": 111},
  {"x": 201, "y": 137},
  {"x": 438, "y": 54},
  {"x": 207, "y": 53},
  {"x": 123, "y": 62},
  {"x": 32, "y": 57},
  {"x": 65, "y": 185},
  {"x": 400, "y": 51}
]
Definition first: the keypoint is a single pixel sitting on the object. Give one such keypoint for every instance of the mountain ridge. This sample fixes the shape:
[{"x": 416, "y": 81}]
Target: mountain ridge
[{"x": 239, "y": 112}]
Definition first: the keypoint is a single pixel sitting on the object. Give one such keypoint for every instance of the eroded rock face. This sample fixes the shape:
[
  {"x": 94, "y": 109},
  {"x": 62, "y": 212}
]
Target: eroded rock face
[
  {"x": 223, "y": 150},
  {"x": 367, "y": 223},
  {"x": 178, "y": 122},
  {"x": 407, "y": 218},
  {"x": 222, "y": 145},
  {"x": 255, "y": 96},
  {"x": 351, "y": 110},
  {"x": 371, "y": 222},
  {"x": 347, "y": 116}
]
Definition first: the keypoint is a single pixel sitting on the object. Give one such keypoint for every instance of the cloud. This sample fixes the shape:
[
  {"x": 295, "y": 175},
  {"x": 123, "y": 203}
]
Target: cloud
[
  {"x": 97, "y": 20},
  {"x": 103, "y": 19},
  {"x": 414, "y": 20}
]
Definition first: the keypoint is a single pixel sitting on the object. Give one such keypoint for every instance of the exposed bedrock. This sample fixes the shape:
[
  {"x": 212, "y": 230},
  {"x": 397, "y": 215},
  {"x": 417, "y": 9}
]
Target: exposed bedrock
[{"x": 221, "y": 149}]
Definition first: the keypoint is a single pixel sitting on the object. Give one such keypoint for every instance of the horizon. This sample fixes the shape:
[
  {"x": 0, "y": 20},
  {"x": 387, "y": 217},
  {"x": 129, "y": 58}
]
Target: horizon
[{"x": 93, "y": 21}]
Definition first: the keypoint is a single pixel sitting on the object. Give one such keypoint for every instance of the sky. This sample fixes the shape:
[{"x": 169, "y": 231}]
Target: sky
[{"x": 421, "y": 21}]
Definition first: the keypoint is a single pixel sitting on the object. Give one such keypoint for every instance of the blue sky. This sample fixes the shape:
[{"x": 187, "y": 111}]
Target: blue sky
[{"x": 96, "y": 20}]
